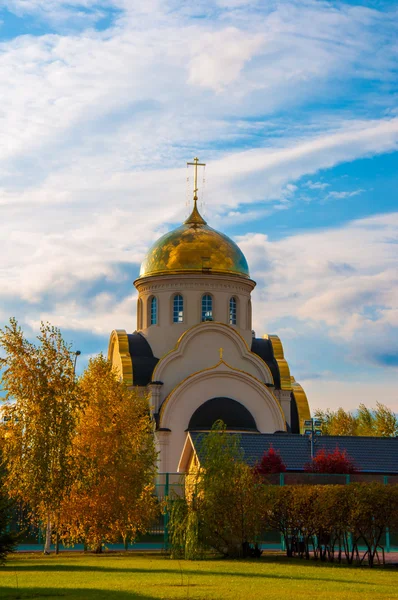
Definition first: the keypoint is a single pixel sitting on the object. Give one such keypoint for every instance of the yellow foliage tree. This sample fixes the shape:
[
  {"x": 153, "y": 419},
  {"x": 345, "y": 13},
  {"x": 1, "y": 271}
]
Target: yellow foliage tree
[
  {"x": 379, "y": 422},
  {"x": 40, "y": 416},
  {"x": 113, "y": 493}
]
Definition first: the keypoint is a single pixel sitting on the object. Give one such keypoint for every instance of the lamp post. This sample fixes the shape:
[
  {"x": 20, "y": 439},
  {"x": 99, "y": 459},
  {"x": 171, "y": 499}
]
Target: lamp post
[
  {"x": 313, "y": 430},
  {"x": 77, "y": 353}
]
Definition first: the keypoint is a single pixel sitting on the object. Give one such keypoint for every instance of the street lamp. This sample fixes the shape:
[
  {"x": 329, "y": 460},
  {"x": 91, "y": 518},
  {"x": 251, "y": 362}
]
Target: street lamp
[
  {"x": 77, "y": 353},
  {"x": 313, "y": 429}
]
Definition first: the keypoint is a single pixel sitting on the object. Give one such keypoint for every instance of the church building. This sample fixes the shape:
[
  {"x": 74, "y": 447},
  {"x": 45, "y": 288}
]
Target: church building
[{"x": 194, "y": 352}]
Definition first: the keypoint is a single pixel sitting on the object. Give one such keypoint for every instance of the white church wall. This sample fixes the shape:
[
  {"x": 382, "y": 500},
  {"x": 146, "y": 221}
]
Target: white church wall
[
  {"x": 221, "y": 381},
  {"x": 200, "y": 349},
  {"x": 163, "y": 335}
]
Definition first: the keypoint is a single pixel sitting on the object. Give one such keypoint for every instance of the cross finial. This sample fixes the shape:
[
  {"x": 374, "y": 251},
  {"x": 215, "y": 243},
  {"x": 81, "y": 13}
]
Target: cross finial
[
  {"x": 221, "y": 353},
  {"x": 195, "y": 218},
  {"x": 195, "y": 164}
]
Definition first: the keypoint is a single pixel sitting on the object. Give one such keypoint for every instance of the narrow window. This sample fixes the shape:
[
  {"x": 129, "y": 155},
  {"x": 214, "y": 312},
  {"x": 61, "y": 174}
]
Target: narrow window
[
  {"x": 154, "y": 310},
  {"x": 207, "y": 308},
  {"x": 232, "y": 311},
  {"x": 139, "y": 314},
  {"x": 178, "y": 309}
]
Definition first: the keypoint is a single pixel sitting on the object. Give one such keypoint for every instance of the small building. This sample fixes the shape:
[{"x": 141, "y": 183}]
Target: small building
[{"x": 371, "y": 455}]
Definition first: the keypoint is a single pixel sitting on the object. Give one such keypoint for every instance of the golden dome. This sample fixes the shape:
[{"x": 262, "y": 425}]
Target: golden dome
[{"x": 194, "y": 247}]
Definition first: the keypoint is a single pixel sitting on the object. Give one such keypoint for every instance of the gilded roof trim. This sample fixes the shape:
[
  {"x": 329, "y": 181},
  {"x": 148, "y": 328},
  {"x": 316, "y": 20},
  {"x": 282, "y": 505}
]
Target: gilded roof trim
[
  {"x": 303, "y": 407},
  {"x": 284, "y": 371},
  {"x": 119, "y": 339}
]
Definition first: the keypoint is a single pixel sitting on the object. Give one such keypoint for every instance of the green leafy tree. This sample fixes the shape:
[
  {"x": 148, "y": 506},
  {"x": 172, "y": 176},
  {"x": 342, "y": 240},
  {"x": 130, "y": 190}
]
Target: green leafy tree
[
  {"x": 41, "y": 413},
  {"x": 223, "y": 503}
]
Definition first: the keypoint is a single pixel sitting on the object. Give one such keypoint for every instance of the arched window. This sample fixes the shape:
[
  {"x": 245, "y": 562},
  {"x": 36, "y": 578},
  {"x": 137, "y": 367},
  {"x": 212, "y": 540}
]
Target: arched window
[
  {"x": 232, "y": 311},
  {"x": 207, "y": 308},
  {"x": 139, "y": 314},
  {"x": 178, "y": 309},
  {"x": 154, "y": 311}
]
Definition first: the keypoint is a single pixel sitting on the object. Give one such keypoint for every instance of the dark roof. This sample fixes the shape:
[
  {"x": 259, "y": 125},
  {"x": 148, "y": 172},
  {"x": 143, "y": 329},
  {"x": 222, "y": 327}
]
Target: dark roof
[
  {"x": 233, "y": 413},
  {"x": 370, "y": 454},
  {"x": 263, "y": 348},
  {"x": 142, "y": 358}
]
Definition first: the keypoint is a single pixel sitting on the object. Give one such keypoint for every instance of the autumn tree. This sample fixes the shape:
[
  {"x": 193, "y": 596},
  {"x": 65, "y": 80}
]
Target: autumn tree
[
  {"x": 373, "y": 508},
  {"x": 337, "y": 462},
  {"x": 41, "y": 411},
  {"x": 277, "y": 513},
  {"x": 8, "y": 539},
  {"x": 271, "y": 462},
  {"x": 113, "y": 492},
  {"x": 380, "y": 422}
]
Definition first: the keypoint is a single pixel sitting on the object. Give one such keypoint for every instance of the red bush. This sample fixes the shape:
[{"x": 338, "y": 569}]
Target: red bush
[
  {"x": 337, "y": 461},
  {"x": 271, "y": 462}
]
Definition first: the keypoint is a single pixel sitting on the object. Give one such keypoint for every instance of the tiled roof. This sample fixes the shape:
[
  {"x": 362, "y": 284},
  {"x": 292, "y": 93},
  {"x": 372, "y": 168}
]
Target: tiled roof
[{"x": 370, "y": 454}]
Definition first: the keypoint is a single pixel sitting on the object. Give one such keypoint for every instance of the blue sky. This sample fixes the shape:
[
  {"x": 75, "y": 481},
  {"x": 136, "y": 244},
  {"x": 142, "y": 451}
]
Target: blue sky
[{"x": 292, "y": 105}]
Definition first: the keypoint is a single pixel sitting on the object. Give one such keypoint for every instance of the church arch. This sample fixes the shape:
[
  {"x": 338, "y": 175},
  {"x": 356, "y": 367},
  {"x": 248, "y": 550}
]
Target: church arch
[
  {"x": 235, "y": 416},
  {"x": 220, "y": 381},
  {"x": 207, "y": 308}
]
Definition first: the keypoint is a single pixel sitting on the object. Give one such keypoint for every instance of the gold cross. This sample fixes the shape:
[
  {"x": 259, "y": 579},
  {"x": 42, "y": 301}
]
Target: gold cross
[
  {"x": 221, "y": 352},
  {"x": 195, "y": 164}
]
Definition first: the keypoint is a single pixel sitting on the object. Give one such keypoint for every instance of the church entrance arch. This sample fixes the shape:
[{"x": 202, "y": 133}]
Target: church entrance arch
[
  {"x": 235, "y": 416},
  {"x": 220, "y": 381}
]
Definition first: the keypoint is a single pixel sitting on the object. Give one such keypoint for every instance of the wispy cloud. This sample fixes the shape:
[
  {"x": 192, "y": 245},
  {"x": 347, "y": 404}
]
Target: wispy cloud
[
  {"x": 342, "y": 280},
  {"x": 96, "y": 125},
  {"x": 317, "y": 185},
  {"x": 344, "y": 194}
]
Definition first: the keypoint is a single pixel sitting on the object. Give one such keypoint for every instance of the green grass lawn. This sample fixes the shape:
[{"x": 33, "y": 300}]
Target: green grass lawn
[{"x": 152, "y": 576}]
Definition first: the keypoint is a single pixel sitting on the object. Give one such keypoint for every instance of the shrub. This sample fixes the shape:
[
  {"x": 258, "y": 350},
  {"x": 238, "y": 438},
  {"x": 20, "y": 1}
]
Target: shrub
[
  {"x": 337, "y": 461},
  {"x": 270, "y": 463}
]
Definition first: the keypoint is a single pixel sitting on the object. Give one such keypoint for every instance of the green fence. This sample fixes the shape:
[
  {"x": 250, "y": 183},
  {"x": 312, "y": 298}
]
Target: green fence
[{"x": 172, "y": 484}]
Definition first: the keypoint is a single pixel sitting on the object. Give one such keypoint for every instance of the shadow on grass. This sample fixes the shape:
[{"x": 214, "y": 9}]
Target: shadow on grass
[
  {"x": 55, "y": 567},
  {"x": 31, "y": 593}
]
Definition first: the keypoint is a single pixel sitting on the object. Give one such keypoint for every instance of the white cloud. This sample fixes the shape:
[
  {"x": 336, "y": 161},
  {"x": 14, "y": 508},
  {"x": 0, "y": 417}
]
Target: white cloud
[
  {"x": 344, "y": 194},
  {"x": 317, "y": 185},
  {"x": 99, "y": 315},
  {"x": 220, "y": 57},
  {"x": 95, "y": 124},
  {"x": 344, "y": 279}
]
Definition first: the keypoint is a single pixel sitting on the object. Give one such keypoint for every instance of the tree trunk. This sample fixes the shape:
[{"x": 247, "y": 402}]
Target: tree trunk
[
  {"x": 98, "y": 548},
  {"x": 47, "y": 546}
]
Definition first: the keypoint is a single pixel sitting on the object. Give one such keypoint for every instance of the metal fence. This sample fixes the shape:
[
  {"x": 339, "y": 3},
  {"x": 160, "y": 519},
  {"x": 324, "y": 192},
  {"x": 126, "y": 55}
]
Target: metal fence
[{"x": 169, "y": 485}]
